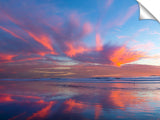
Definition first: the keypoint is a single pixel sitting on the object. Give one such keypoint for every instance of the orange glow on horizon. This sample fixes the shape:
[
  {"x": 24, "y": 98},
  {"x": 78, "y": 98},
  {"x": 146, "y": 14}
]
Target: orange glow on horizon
[
  {"x": 124, "y": 55},
  {"x": 28, "y": 59},
  {"x": 7, "y": 58}
]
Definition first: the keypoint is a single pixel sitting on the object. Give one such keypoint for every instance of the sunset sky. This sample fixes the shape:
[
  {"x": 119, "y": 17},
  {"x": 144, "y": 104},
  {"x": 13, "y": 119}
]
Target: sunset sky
[{"x": 76, "y": 38}]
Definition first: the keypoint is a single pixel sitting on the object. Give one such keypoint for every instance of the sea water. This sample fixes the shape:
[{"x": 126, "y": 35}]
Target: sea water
[{"x": 80, "y": 99}]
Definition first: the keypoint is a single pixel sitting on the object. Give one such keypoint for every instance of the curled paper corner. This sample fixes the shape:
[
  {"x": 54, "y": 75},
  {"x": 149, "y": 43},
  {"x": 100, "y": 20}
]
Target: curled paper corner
[{"x": 149, "y": 9}]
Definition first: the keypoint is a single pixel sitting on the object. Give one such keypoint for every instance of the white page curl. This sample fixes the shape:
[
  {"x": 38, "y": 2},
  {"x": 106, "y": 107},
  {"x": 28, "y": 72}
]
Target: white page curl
[{"x": 149, "y": 9}]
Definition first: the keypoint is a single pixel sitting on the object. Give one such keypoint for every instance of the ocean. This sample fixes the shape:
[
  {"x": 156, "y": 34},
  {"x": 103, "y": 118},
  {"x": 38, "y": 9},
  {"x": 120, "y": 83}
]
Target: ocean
[{"x": 80, "y": 99}]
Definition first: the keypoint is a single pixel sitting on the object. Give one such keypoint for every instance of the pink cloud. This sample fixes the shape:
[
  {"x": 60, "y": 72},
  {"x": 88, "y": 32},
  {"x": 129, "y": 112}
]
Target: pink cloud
[
  {"x": 87, "y": 28},
  {"x": 130, "y": 12},
  {"x": 12, "y": 33},
  {"x": 99, "y": 44},
  {"x": 109, "y": 3},
  {"x": 122, "y": 19},
  {"x": 121, "y": 37},
  {"x": 143, "y": 29}
]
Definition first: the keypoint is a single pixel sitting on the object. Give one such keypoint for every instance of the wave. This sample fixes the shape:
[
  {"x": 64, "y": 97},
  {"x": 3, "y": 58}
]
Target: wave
[{"x": 151, "y": 79}]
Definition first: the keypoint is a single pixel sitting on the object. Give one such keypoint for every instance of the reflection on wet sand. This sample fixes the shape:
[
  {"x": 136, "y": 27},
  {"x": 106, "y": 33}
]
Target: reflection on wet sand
[
  {"x": 17, "y": 116},
  {"x": 73, "y": 104},
  {"x": 42, "y": 113},
  {"x": 48, "y": 100},
  {"x": 123, "y": 100},
  {"x": 98, "y": 110}
]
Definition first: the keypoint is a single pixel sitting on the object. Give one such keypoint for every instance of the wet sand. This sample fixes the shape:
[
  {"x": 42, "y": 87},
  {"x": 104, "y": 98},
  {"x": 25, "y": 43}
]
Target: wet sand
[{"x": 70, "y": 100}]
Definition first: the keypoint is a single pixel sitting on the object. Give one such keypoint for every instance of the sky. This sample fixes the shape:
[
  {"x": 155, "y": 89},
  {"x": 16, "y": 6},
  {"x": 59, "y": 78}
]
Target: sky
[{"x": 76, "y": 39}]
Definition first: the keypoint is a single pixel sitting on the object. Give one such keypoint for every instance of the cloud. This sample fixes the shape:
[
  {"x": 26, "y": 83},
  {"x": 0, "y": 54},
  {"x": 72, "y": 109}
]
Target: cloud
[
  {"x": 6, "y": 57},
  {"x": 87, "y": 28},
  {"x": 131, "y": 11},
  {"x": 12, "y": 33},
  {"x": 121, "y": 37},
  {"x": 55, "y": 35},
  {"x": 99, "y": 45},
  {"x": 123, "y": 55},
  {"x": 37, "y": 35},
  {"x": 109, "y": 3},
  {"x": 122, "y": 17},
  {"x": 114, "y": 55},
  {"x": 44, "y": 40},
  {"x": 74, "y": 50},
  {"x": 155, "y": 33},
  {"x": 143, "y": 29}
]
